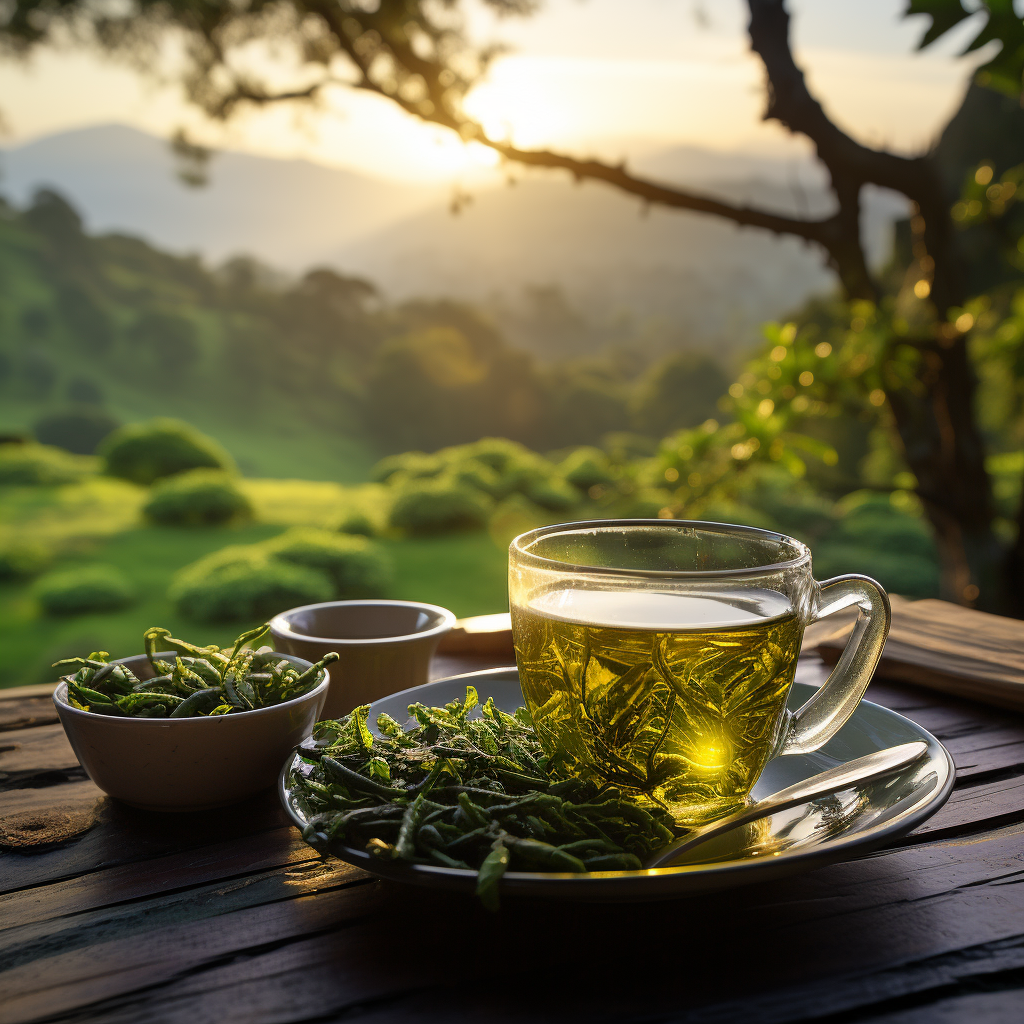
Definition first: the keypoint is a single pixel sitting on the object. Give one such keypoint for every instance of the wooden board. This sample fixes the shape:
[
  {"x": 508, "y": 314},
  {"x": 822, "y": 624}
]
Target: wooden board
[
  {"x": 480, "y": 635},
  {"x": 949, "y": 648},
  {"x": 228, "y": 917}
]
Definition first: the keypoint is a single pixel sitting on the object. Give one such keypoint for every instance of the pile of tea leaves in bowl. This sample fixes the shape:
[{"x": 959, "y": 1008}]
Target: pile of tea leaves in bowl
[
  {"x": 471, "y": 793},
  {"x": 200, "y": 681}
]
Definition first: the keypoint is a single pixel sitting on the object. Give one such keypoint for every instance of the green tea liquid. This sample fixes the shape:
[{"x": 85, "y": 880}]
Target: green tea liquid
[{"x": 672, "y": 698}]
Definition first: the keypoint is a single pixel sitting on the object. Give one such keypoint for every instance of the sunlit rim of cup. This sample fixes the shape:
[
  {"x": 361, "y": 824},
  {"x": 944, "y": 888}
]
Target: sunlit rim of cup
[
  {"x": 282, "y": 623},
  {"x": 520, "y": 547}
]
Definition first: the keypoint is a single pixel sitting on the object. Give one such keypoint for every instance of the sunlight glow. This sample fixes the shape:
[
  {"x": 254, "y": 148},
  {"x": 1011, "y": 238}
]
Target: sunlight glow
[{"x": 575, "y": 85}]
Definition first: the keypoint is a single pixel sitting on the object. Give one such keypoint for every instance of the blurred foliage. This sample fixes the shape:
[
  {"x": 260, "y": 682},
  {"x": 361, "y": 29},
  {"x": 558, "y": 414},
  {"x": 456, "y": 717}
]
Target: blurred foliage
[
  {"x": 245, "y": 584},
  {"x": 428, "y": 506},
  {"x": 146, "y": 452},
  {"x": 167, "y": 344},
  {"x": 302, "y": 566},
  {"x": 93, "y": 319},
  {"x": 587, "y": 467},
  {"x": 79, "y": 431},
  {"x": 39, "y": 464},
  {"x": 23, "y": 558},
  {"x": 991, "y": 21},
  {"x": 357, "y": 524},
  {"x": 197, "y": 497},
  {"x": 355, "y": 566},
  {"x": 680, "y": 391},
  {"x": 83, "y": 589}
]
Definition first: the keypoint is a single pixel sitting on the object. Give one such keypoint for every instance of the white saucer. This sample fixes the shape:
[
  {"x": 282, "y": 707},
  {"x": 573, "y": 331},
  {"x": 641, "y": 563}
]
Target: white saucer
[{"x": 844, "y": 825}]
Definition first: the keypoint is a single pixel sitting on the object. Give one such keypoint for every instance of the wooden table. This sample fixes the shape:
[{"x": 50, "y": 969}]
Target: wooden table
[{"x": 128, "y": 916}]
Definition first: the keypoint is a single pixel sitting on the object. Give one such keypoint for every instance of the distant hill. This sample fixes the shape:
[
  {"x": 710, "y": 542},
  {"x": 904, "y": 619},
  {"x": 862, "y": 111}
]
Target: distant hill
[
  {"x": 308, "y": 376},
  {"x": 703, "y": 280},
  {"x": 611, "y": 256},
  {"x": 288, "y": 213}
]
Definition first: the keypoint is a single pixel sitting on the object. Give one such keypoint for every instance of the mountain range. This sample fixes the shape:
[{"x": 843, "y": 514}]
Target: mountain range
[{"x": 611, "y": 258}]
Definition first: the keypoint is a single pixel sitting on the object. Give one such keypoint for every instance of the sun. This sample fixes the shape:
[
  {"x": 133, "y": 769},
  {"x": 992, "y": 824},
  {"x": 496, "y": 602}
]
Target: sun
[{"x": 515, "y": 104}]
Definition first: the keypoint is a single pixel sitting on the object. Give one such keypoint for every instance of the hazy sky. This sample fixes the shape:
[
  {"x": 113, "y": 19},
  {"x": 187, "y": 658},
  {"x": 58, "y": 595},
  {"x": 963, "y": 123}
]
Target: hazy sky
[{"x": 582, "y": 77}]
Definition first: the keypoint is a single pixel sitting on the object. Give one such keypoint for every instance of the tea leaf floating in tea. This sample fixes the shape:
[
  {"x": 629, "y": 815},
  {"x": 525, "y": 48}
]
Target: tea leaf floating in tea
[
  {"x": 467, "y": 793},
  {"x": 676, "y": 698}
]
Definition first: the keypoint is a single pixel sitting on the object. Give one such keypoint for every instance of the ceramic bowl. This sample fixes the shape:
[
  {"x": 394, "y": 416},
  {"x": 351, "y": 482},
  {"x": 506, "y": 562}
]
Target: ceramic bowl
[
  {"x": 188, "y": 764},
  {"x": 383, "y": 646}
]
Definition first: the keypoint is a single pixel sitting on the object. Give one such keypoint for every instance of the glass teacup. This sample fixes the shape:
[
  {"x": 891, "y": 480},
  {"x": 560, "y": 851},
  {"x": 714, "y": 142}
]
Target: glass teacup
[{"x": 656, "y": 656}]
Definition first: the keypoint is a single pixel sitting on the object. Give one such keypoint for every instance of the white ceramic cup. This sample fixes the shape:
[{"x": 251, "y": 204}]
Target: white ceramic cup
[
  {"x": 188, "y": 764},
  {"x": 382, "y": 646}
]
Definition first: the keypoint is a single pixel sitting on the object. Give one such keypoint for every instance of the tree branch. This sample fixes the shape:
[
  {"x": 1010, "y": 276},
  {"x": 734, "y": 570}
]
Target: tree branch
[
  {"x": 818, "y": 231},
  {"x": 664, "y": 195},
  {"x": 851, "y": 164},
  {"x": 791, "y": 104}
]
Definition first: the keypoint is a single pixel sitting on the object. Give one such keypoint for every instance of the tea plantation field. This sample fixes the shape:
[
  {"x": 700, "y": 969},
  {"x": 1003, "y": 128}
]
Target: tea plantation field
[
  {"x": 99, "y": 520},
  {"x": 95, "y": 549}
]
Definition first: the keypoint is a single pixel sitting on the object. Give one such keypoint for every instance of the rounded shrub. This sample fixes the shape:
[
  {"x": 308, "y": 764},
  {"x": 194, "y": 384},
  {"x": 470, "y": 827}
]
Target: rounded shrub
[
  {"x": 427, "y": 507},
  {"x": 476, "y": 474},
  {"x": 493, "y": 465},
  {"x": 243, "y": 583},
  {"x": 552, "y": 493},
  {"x": 586, "y": 468},
  {"x": 499, "y": 453},
  {"x": 515, "y": 515},
  {"x": 79, "y": 431},
  {"x": 39, "y": 464},
  {"x": 525, "y": 473},
  {"x": 358, "y": 524},
  {"x": 406, "y": 464},
  {"x": 87, "y": 588},
  {"x": 200, "y": 497},
  {"x": 355, "y": 566},
  {"x": 144, "y": 452},
  {"x": 19, "y": 559}
]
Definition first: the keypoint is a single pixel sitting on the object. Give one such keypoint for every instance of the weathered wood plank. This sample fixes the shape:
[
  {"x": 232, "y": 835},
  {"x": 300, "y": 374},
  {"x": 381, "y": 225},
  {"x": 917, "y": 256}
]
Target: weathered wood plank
[
  {"x": 61, "y": 982},
  {"x": 24, "y": 712},
  {"x": 194, "y": 904},
  {"x": 914, "y": 920},
  {"x": 952, "y": 649},
  {"x": 42, "y": 816},
  {"x": 38, "y": 690},
  {"x": 131, "y": 882},
  {"x": 122, "y": 834},
  {"x": 226, "y": 917},
  {"x": 976, "y": 808},
  {"x": 41, "y": 749}
]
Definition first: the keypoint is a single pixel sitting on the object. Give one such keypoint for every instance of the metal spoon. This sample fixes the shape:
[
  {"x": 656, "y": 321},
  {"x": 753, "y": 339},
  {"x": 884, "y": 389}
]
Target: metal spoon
[{"x": 863, "y": 769}]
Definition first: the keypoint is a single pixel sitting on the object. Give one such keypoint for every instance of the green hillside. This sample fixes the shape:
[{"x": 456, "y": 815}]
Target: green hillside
[
  {"x": 307, "y": 378},
  {"x": 110, "y": 322}
]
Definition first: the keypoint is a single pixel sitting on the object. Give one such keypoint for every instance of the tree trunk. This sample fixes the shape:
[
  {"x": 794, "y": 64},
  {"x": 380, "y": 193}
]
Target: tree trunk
[
  {"x": 943, "y": 449},
  {"x": 937, "y": 425}
]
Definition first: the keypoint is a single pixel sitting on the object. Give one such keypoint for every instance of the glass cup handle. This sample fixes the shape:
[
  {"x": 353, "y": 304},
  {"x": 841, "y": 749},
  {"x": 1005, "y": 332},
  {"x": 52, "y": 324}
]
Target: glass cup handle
[{"x": 817, "y": 721}]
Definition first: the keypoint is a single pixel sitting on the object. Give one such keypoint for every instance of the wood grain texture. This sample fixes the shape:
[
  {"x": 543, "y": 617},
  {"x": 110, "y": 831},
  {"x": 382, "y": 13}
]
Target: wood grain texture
[
  {"x": 952, "y": 649},
  {"x": 35, "y": 690},
  {"x": 228, "y": 917},
  {"x": 907, "y": 921},
  {"x": 46, "y": 817},
  {"x": 23, "y": 712},
  {"x": 32, "y": 751}
]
